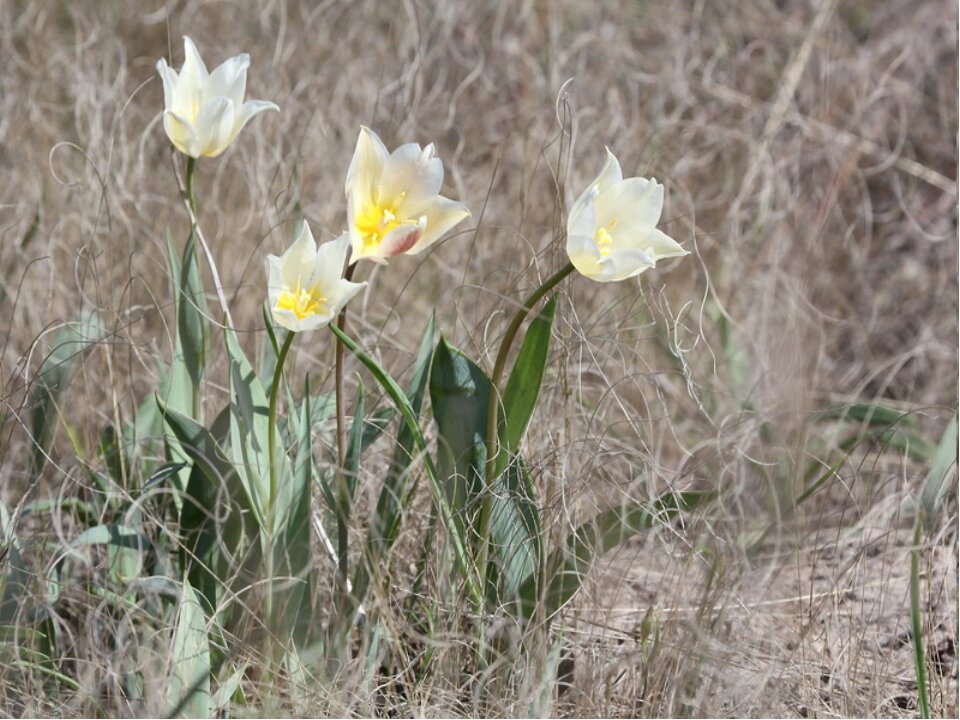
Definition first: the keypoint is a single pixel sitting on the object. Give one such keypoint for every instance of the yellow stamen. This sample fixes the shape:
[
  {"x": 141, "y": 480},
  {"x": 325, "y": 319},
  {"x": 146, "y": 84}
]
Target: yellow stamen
[
  {"x": 377, "y": 220},
  {"x": 302, "y": 302},
  {"x": 604, "y": 239}
]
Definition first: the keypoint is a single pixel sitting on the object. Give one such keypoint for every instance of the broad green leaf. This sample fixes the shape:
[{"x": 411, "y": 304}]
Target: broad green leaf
[
  {"x": 54, "y": 374},
  {"x": 189, "y": 688},
  {"x": 215, "y": 534},
  {"x": 292, "y": 553},
  {"x": 198, "y": 443},
  {"x": 450, "y": 520},
  {"x": 459, "y": 395},
  {"x": 113, "y": 535},
  {"x": 567, "y": 567},
  {"x": 249, "y": 432},
  {"x": 523, "y": 386},
  {"x": 515, "y": 528},
  {"x": 943, "y": 468}
]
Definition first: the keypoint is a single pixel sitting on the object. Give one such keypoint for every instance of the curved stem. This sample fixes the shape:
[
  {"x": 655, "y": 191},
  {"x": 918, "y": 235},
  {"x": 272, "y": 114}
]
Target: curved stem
[
  {"x": 272, "y": 433},
  {"x": 493, "y": 446}
]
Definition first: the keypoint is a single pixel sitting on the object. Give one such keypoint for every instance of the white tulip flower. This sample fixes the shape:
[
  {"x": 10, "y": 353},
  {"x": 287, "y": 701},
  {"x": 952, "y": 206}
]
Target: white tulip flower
[
  {"x": 305, "y": 285},
  {"x": 611, "y": 228},
  {"x": 203, "y": 112},
  {"x": 394, "y": 204}
]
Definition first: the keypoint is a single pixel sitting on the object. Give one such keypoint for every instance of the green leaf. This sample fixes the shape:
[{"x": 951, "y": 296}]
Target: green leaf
[
  {"x": 250, "y": 430},
  {"x": 867, "y": 413},
  {"x": 567, "y": 567},
  {"x": 523, "y": 386},
  {"x": 515, "y": 528},
  {"x": 54, "y": 374},
  {"x": 113, "y": 535},
  {"x": 192, "y": 326},
  {"x": 943, "y": 468},
  {"x": 459, "y": 395},
  {"x": 292, "y": 553},
  {"x": 189, "y": 688}
]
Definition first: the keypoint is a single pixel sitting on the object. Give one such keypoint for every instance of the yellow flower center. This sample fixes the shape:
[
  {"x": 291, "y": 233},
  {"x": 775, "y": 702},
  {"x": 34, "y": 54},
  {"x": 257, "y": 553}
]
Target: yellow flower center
[
  {"x": 604, "y": 239},
  {"x": 375, "y": 221},
  {"x": 302, "y": 302}
]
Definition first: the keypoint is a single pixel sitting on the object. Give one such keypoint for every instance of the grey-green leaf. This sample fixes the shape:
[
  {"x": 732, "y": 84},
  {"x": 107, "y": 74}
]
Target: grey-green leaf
[
  {"x": 189, "y": 689},
  {"x": 943, "y": 468}
]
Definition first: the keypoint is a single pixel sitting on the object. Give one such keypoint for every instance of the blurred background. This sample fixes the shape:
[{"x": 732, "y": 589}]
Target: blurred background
[{"x": 809, "y": 155}]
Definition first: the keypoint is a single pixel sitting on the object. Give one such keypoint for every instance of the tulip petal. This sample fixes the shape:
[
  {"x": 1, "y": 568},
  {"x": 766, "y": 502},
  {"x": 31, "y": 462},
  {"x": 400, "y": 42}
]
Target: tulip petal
[
  {"x": 609, "y": 174},
  {"x": 635, "y": 204},
  {"x": 582, "y": 220},
  {"x": 189, "y": 87},
  {"x": 214, "y": 125},
  {"x": 441, "y": 214},
  {"x": 412, "y": 173},
  {"x": 659, "y": 245},
  {"x": 248, "y": 110},
  {"x": 228, "y": 80},
  {"x": 583, "y": 253},
  {"x": 181, "y": 133},
  {"x": 344, "y": 293},
  {"x": 327, "y": 267},
  {"x": 298, "y": 259},
  {"x": 366, "y": 166},
  {"x": 169, "y": 78},
  {"x": 402, "y": 238},
  {"x": 193, "y": 65},
  {"x": 624, "y": 263}
]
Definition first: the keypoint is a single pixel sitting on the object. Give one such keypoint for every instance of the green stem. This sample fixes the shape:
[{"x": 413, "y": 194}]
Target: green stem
[
  {"x": 343, "y": 530},
  {"x": 272, "y": 433},
  {"x": 916, "y": 616},
  {"x": 185, "y": 269},
  {"x": 191, "y": 167},
  {"x": 493, "y": 446}
]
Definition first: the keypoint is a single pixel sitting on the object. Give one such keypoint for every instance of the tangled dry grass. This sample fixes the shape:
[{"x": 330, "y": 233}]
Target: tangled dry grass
[{"x": 809, "y": 150}]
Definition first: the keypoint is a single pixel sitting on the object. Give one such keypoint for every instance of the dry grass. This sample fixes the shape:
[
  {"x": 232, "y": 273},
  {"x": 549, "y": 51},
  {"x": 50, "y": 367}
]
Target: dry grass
[{"x": 810, "y": 160}]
